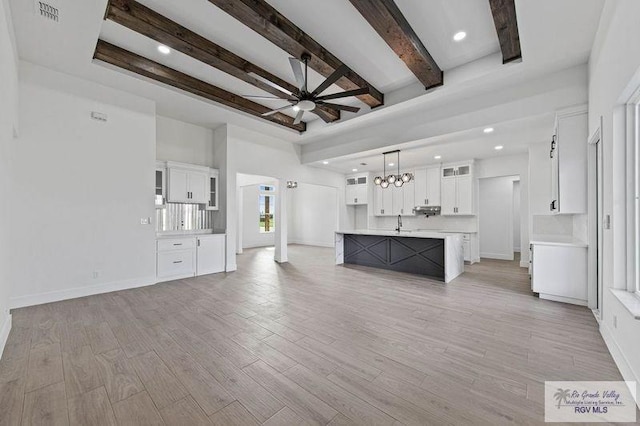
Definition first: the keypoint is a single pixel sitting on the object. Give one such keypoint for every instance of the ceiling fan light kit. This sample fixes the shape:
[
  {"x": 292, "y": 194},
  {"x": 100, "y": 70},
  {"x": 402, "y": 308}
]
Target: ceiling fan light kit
[
  {"x": 396, "y": 180},
  {"x": 306, "y": 101}
]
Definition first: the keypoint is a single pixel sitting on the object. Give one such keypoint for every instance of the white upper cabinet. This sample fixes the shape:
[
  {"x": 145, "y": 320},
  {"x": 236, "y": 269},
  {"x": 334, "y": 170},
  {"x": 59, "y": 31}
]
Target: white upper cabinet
[
  {"x": 568, "y": 155},
  {"x": 188, "y": 184},
  {"x": 427, "y": 186},
  {"x": 356, "y": 190},
  {"x": 397, "y": 200},
  {"x": 382, "y": 201},
  {"x": 161, "y": 185},
  {"x": 457, "y": 189},
  {"x": 409, "y": 198}
]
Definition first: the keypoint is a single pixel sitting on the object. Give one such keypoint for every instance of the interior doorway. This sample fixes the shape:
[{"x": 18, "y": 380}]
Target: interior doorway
[
  {"x": 499, "y": 217},
  {"x": 257, "y": 198}
]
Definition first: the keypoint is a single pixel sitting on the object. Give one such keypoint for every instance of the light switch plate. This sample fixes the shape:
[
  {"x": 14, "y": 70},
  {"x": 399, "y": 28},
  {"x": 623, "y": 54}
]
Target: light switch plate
[{"x": 145, "y": 221}]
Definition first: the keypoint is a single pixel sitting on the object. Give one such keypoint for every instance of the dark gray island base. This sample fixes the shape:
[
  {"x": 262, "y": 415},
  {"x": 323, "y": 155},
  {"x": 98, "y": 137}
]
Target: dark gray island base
[{"x": 434, "y": 255}]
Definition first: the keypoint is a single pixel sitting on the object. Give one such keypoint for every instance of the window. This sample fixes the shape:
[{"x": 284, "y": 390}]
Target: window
[{"x": 267, "y": 207}]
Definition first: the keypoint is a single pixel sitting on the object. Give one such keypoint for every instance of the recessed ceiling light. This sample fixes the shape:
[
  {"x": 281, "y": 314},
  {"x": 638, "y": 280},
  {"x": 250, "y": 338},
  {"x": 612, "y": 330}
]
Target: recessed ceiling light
[
  {"x": 164, "y": 49},
  {"x": 498, "y": 147},
  {"x": 325, "y": 162},
  {"x": 391, "y": 164},
  {"x": 488, "y": 130},
  {"x": 437, "y": 157},
  {"x": 459, "y": 36},
  {"x": 354, "y": 170}
]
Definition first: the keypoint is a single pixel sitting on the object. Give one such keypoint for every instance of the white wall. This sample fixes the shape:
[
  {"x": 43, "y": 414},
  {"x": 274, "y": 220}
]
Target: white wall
[
  {"x": 313, "y": 215},
  {"x": 82, "y": 187},
  {"x": 251, "y": 235},
  {"x": 183, "y": 142},
  {"x": 8, "y": 127},
  {"x": 516, "y": 217},
  {"x": 269, "y": 157},
  {"x": 615, "y": 59},
  {"x": 495, "y": 212}
]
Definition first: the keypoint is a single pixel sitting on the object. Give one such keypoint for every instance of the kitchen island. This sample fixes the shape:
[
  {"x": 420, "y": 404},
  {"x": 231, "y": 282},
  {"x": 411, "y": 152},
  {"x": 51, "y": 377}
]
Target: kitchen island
[{"x": 436, "y": 255}]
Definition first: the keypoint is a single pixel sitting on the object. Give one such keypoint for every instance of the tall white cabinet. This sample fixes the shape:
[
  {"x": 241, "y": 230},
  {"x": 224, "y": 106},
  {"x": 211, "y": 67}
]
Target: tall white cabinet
[
  {"x": 568, "y": 155},
  {"x": 457, "y": 190}
]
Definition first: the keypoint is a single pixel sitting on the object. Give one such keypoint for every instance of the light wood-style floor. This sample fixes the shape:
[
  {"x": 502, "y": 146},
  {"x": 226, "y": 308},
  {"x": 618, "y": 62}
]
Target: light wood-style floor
[{"x": 302, "y": 343}]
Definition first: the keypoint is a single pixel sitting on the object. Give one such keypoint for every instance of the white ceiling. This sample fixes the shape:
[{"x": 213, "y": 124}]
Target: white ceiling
[
  {"x": 515, "y": 138},
  {"x": 555, "y": 34}
]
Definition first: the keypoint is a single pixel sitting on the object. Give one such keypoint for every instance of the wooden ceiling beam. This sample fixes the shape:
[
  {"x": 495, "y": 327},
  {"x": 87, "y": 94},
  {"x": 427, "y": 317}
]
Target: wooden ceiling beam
[
  {"x": 142, "y": 66},
  {"x": 149, "y": 23},
  {"x": 386, "y": 18},
  {"x": 506, "y": 22},
  {"x": 261, "y": 17}
]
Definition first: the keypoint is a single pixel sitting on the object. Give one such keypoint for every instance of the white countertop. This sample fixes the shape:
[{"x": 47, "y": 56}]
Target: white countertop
[
  {"x": 167, "y": 236},
  {"x": 557, "y": 240},
  {"x": 411, "y": 234}
]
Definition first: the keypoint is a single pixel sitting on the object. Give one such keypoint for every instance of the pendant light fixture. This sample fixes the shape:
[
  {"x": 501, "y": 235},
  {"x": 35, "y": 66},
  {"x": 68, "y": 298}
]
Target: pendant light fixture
[{"x": 396, "y": 180}]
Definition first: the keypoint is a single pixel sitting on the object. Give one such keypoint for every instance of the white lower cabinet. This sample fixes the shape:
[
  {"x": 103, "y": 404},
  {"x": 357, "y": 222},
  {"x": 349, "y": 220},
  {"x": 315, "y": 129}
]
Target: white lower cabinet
[
  {"x": 188, "y": 256},
  {"x": 176, "y": 264},
  {"x": 210, "y": 256},
  {"x": 559, "y": 273}
]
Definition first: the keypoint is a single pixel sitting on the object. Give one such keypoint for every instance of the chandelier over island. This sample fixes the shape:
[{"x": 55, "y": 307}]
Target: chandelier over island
[{"x": 396, "y": 180}]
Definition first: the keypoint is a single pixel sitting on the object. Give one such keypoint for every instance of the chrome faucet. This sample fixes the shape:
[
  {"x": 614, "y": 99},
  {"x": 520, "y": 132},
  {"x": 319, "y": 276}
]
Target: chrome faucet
[{"x": 399, "y": 223}]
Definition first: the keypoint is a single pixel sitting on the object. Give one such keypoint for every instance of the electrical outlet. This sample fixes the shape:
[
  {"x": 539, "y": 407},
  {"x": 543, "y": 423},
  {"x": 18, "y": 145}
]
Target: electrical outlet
[{"x": 615, "y": 321}]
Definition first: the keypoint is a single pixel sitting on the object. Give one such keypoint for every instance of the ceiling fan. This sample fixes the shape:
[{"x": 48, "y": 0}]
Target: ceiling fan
[{"x": 313, "y": 101}]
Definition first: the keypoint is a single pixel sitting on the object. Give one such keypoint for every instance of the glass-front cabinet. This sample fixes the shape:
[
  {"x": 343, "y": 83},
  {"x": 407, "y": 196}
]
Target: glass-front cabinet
[
  {"x": 160, "y": 186},
  {"x": 213, "y": 190}
]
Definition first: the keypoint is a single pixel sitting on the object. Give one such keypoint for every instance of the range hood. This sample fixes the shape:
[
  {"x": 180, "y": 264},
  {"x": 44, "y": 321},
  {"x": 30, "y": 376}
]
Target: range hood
[{"x": 427, "y": 210}]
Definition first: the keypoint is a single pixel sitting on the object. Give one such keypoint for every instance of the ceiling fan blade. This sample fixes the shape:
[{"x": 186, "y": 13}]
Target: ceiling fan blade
[
  {"x": 340, "y": 107},
  {"x": 296, "y": 66},
  {"x": 355, "y": 92},
  {"x": 274, "y": 111},
  {"x": 335, "y": 76},
  {"x": 323, "y": 115},
  {"x": 298, "y": 117},
  {"x": 268, "y": 98}
]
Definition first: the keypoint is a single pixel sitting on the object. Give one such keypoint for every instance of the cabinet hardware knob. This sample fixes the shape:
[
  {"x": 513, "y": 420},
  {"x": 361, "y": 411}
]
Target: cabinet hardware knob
[
  {"x": 177, "y": 244},
  {"x": 177, "y": 261}
]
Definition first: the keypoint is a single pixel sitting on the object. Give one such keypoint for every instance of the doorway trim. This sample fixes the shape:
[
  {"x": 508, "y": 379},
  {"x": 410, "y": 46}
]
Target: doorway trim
[{"x": 595, "y": 221}]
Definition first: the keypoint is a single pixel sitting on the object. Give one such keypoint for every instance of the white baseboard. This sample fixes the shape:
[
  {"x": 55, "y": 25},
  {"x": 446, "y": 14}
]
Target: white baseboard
[
  {"x": 72, "y": 293},
  {"x": 618, "y": 357},
  {"x": 563, "y": 299},
  {"x": 524, "y": 264},
  {"x": 231, "y": 267},
  {"x": 5, "y": 329},
  {"x": 497, "y": 256}
]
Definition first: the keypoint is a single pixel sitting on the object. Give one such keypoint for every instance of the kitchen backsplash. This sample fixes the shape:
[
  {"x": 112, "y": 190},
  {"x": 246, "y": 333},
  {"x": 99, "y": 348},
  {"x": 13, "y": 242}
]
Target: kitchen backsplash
[
  {"x": 183, "y": 217},
  {"x": 552, "y": 225}
]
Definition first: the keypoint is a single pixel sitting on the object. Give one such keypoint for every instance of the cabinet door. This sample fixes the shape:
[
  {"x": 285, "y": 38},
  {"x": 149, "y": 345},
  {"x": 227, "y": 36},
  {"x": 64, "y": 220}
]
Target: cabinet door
[
  {"x": 465, "y": 195},
  {"x": 210, "y": 255},
  {"x": 420, "y": 187},
  {"x": 378, "y": 203},
  {"x": 178, "y": 186},
  {"x": 161, "y": 187},
  {"x": 213, "y": 193},
  {"x": 198, "y": 187},
  {"x": 397, "y": 200},
  {"x": 387, "y": 202},
  {"x": 361, "y": 194},
  {"x": 433, "y": 187},
  {"x": 449, "y": 196},
  {"x": 449, "y": 173},
  {"x": 351, "y": 194},
  {"x": 408, "y": 190},
  {"x": 555, "y": 177}
]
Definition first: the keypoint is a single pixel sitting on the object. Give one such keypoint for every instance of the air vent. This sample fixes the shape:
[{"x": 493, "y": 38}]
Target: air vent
[{"x": 47, "y": 10}]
